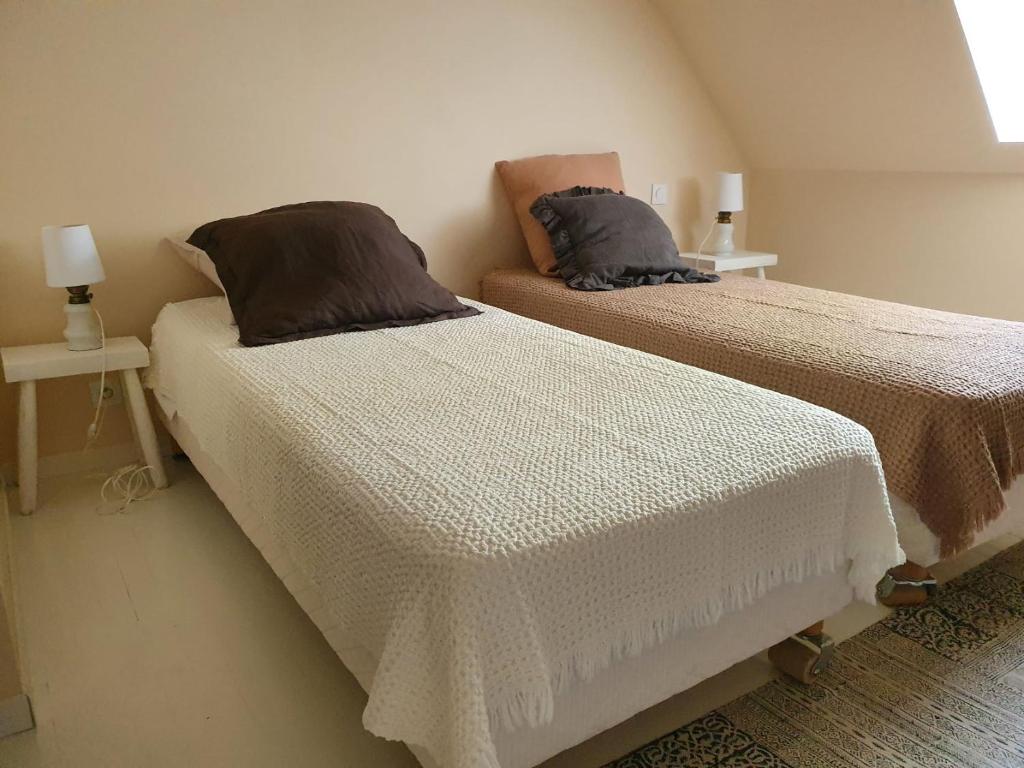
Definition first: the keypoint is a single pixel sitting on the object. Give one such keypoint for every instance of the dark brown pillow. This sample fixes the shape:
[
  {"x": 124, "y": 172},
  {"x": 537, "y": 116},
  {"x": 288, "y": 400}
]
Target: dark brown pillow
[
  {"x": 314, "y": 269},
  {"x": 604, "y": 240}
]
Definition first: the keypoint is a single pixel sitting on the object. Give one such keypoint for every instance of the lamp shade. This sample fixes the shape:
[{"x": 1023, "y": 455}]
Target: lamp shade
[
  {"x": 730, "y": 192},
  {"x": 71, "y": 256}
]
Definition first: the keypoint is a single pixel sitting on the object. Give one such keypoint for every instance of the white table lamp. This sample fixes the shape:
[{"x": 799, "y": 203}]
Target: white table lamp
[
  {"x": 73, "y": 262},
  {"x": 730, "y": 200}
]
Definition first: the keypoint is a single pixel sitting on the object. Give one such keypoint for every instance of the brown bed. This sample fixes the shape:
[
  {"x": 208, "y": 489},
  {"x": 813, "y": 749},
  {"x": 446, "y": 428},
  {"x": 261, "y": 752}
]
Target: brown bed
[{"x": 943, "y": 394}]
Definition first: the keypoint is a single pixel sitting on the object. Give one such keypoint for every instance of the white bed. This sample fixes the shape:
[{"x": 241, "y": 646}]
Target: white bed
[{"x": 629, "y": 525}]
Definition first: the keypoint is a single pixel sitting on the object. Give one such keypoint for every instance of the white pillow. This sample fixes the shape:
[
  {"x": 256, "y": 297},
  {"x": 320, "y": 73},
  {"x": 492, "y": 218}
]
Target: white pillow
[
  {"x": 200, "y": 261},
  {"x": 196, "y": 258}
]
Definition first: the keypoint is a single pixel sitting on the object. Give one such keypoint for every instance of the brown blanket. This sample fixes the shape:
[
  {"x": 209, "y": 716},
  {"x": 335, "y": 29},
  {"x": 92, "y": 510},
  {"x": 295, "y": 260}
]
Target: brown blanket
[{"x": 943, "y": 394}]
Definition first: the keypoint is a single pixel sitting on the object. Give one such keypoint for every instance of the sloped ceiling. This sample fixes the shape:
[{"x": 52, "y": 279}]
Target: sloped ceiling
[{"x": 871, "y": 85}]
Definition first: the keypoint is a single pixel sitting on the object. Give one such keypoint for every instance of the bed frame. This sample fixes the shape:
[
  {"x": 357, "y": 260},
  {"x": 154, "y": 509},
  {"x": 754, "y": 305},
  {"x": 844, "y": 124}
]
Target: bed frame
[{"x": 629, "y": 686}]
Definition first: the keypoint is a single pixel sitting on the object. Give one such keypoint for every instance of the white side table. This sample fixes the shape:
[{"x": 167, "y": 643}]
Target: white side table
[
  {"x": 734, "y": 261},
  {"x": 29, "y": 364}
]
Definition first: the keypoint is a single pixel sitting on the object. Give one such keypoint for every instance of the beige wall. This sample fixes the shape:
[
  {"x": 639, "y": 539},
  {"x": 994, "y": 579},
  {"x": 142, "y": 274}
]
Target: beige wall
[
  {"x": 947, "y": 241},
  {"x": 866, "y": 85},
  {"x": 886, "y": 178},
  {"x": 146, "y": 118}
]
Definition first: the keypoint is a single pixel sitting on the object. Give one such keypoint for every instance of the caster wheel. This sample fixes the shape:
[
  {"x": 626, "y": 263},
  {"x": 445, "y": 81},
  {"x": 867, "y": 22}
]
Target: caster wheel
[
  {"x": 802, "y": 657},
  {"x": 885, "y": 588},
  {"x": 906, "y": 594},
  {"x": 896, "y": 591}
]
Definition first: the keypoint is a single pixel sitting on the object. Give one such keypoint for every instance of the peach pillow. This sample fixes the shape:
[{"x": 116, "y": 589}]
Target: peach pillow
[{"x": 527, "y": 179}]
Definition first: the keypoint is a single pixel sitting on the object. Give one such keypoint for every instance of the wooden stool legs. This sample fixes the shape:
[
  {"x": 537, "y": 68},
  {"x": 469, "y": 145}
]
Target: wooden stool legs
[{"x": 28, "y": 447}]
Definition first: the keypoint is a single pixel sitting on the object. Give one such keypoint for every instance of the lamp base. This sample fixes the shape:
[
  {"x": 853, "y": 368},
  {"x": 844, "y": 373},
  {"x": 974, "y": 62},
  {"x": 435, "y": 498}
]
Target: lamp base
[
  {"x": 721, "y": 240},
  {"x": 82, "y": 331}
]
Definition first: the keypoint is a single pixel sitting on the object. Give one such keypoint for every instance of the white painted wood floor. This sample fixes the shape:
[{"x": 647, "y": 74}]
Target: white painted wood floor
[{"x": 159, "y": 637}]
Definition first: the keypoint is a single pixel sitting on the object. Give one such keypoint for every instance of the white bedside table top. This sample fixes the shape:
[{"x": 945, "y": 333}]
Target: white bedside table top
[
  {"x": 52, "y": 361},
  {"x": 734, "y": 260}
]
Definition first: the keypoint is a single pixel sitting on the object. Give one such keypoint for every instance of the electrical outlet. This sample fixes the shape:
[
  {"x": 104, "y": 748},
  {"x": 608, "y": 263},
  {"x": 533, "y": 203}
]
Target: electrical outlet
[
  {"x": 111, "y": 391},
  {"x": 659, "y": 194}
]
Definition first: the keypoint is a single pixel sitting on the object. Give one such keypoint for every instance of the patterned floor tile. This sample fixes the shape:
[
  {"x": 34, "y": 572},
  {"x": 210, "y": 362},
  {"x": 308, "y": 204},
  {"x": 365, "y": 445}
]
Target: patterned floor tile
[{"x": 933, "y": 686}]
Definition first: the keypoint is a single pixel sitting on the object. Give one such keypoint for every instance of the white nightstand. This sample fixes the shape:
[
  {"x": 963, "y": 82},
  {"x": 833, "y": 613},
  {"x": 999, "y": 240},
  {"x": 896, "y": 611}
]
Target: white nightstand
[
  {"x": 27, "y": 365},
  {"x": 734, "y": 261}
]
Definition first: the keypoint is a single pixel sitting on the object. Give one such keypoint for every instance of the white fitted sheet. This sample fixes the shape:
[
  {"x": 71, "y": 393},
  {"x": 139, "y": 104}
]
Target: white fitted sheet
[{"x": 922, "y": 546}]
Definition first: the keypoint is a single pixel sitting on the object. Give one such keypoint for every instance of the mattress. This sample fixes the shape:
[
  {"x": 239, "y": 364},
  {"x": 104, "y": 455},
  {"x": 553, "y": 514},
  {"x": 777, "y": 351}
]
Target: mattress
[
  {"x": 942, "y": 394},
  {"x": 497, "y": 510}
]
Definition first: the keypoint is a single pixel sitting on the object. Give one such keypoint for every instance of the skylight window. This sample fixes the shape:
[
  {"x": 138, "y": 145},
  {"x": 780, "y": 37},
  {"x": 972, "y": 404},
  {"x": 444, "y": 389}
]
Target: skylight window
[{"x": 995, "y": 35}]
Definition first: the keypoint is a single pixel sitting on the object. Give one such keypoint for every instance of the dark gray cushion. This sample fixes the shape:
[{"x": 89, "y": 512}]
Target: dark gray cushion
[
  {"x": 314, "y": 269},
  {"x": 604, "y": 240}
]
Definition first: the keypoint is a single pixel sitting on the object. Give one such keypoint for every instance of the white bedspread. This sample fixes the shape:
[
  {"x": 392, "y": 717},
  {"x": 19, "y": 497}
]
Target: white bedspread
[{"x": 495, "y": 507}]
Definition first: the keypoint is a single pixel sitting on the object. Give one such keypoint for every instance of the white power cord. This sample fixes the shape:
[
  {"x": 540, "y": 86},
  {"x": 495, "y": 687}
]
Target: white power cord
[
  {"x": 700, "y": 248},
  {"x": 132, "y": 482},
  {"x": 93, "y": 431},
  {"x": 128, "y": 484}
]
